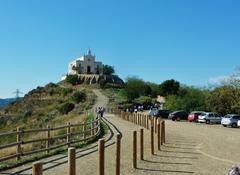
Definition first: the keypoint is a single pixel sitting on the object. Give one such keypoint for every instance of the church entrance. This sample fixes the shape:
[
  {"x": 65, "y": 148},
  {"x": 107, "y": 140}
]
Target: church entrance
[
  {"x": 88, "y": 69},
  {"x": 97, "y": 71}
]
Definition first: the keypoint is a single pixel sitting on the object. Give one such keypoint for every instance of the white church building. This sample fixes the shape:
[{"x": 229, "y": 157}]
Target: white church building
[{"x": 85, "y": 64}]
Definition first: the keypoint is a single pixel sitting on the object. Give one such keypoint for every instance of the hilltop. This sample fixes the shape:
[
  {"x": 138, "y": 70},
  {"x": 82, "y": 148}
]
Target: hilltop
[{"x": 49, "y": 105}]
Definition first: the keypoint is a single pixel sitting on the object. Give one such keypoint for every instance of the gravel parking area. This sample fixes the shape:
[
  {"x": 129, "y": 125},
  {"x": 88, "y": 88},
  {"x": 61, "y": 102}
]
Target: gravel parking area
[{"x": 218, "y": 146}]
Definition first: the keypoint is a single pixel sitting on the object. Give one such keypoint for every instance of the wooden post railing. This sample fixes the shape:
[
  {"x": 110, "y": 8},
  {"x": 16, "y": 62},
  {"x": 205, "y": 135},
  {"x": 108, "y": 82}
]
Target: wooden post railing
[
  {"x": 19, "y": 149},
  {"x": 48, "y": 138},
  {"x": 101, "y": 158},
  {"x": 92, "y": 126},
  {"x": 141, "y": 144},
  {"x": 159, "y": 136},
  {"x": 69, "y": 134},
  {"x": 118, "y": 154},
  {"x": 37, "y": 168},
  {"x": 71, "y": 161},
  {"x": 152, "y": 140},
  {"x": 134, "y": 149},
  {"x": 84, "y": 130}
]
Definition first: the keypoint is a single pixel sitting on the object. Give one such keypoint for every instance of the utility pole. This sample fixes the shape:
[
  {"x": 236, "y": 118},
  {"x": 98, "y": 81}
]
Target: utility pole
[{"x": 17, "y": 92}]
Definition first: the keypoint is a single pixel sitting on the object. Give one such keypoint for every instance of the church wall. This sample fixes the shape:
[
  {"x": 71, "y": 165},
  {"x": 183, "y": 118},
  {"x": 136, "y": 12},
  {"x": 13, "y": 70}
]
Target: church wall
[{"x": 84, "y": 62}]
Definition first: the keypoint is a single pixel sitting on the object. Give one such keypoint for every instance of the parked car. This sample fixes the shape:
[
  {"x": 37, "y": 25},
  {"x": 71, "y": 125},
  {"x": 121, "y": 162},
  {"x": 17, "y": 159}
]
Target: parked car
[
  {"x": 178, "y": 115},
  {"x": 230, "y": 120},
  {"x": 152, "y": 112},
  {"x": 164, "y": 113},
  {"x": 238, "y": 124},
  {"x": 213, "y": 118},
  {"x": 193, "y": 116},
  {"x": 209, "y": 117}
]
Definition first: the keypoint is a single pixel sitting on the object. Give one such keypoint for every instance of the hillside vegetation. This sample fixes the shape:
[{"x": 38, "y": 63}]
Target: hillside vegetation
[{"x": 50, "y": 105}]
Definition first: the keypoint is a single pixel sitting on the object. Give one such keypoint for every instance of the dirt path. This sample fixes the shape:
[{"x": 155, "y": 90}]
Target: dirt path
[{"x": 190, "y": 148}]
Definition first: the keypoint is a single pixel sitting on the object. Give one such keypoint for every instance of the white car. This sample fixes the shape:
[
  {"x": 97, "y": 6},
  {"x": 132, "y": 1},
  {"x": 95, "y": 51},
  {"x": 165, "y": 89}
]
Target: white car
[{"x": 238, "y": 124}]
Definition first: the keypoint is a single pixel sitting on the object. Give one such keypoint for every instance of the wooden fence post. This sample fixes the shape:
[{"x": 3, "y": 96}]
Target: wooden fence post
[
  {"x": 139, "y": 119},
  {"x": 152, "y": 140},
  {"x": 147, "y": 122},
  {"x": 159, "y": 136},
  {"x": 161, "y": 132},
  {"x": 48, "y": 138},
  {"x": 92, "y": 126},
  {"x": 134, "y": 149},
  {"x": 164, "y": 133},
  {"x": 118, "y": 154},
  {"x": 19, "y": 149},
  {"x": 84, "y": 129},
  {"x": 141, "y": 144},
  {"x": 69, "y": 134},
  {"x": 155, "y": 122},
  {"x": 101, "y": 159},
  {"x": 71, "y": 161},
  {"x": 37, "y": 168}
]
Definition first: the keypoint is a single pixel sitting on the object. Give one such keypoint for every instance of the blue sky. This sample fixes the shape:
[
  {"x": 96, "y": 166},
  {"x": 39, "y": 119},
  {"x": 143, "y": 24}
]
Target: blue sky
[{"x": 192, "y": 41}]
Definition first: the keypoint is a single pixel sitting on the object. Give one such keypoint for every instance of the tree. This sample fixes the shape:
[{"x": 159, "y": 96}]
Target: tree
[
  {"x": 108, "y": 70},
  {"x": 66, "y": 108},
  {"x": 134, "y": 88},
  {"x": 72, "y": 79},
  {"x": 154, "y": 89},
  {"x": 169, "y": 87},
  {"x": 79, "y": 96},
  {"x": 233, "y": 80},
  {"x": 189, "y": 99},
  {"x": 224, "y": 100}
]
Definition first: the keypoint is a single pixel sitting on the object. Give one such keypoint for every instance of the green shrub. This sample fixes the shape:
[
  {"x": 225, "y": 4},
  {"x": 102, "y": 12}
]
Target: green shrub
[
  {"x": 102, "y": 83},
  {"x": 66, "y": 91},
  {"x": 79, "y": 96},
  {"x": 72, "y": 79},
  {"x": 66, "y": 108},
  {"x": 51, "y": 85}
]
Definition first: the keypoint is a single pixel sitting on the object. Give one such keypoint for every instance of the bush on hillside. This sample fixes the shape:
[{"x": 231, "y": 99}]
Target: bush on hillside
[
  {"x": 51, "y": 85},
  {"x": 72, "y": 79},
  {"x": 102, "y": 83},
  {"x": 66, "y": 108},
  {"x": 66, "y": 91},
  {"x": 79, "y": 96}
]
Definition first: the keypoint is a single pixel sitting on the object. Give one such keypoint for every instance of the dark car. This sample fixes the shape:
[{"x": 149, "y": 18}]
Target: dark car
[
  {"x": 178, "y": 115},
  {"x": 163, "y": 113}
]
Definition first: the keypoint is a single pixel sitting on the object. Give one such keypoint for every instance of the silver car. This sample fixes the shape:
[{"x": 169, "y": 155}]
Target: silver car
[
  {"x": 209, "y": 117},
  {"x": 230, "y": 120}
]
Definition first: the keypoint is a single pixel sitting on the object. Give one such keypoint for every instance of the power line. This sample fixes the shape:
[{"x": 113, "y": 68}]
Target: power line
[{"x": 17, "y": 92}]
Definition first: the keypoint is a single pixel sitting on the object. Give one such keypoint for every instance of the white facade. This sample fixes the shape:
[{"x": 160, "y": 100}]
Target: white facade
[{"x": 86, "y": 64}]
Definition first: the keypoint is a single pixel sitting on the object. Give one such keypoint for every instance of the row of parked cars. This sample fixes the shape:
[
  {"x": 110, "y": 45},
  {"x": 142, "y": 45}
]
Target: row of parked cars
[{"x": 232, "y": 120}]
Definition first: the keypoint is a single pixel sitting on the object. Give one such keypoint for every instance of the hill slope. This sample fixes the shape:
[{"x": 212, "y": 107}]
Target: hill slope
[{"x": 49, "y": 105}]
